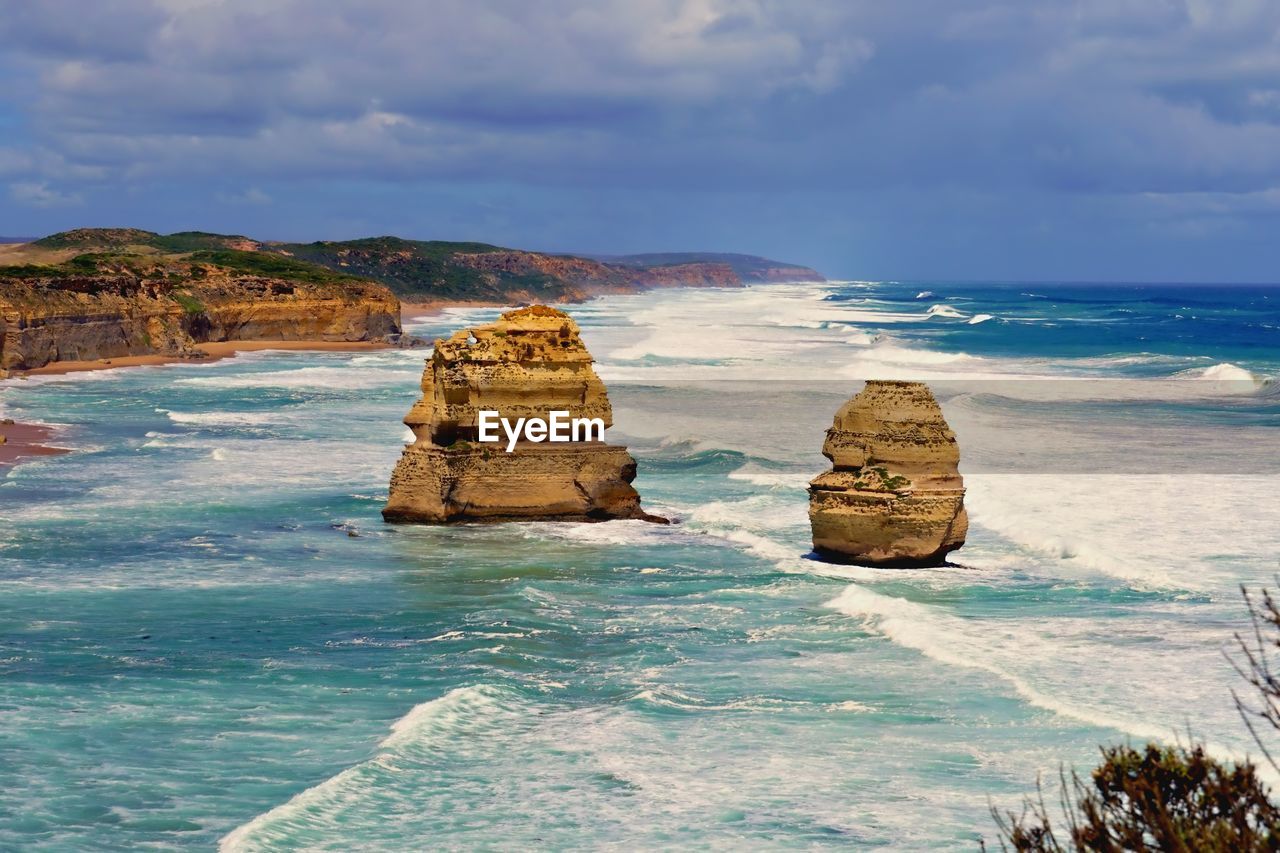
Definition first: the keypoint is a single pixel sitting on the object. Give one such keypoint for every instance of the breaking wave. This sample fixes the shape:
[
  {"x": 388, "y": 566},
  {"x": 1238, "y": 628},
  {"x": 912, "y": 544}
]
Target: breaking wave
[
  {"x": 423, "y": 734},
  {"x": 950, "y": 640}
]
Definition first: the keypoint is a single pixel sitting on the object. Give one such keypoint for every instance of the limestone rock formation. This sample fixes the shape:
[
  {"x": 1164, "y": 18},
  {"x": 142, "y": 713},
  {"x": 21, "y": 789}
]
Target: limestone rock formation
[
  {"x": 50, "y": 315},
  {"x": 529, "y": 363},
  {"x": 894, "y": 496}
]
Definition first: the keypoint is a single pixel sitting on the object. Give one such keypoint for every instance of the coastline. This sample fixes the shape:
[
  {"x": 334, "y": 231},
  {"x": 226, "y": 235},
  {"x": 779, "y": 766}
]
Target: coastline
[
  {"x": 213, "y": 352},
  {"x": 25, "y": 441},
  {"x": 414, "y": 310},
  {"x": 218, "y": 350}
]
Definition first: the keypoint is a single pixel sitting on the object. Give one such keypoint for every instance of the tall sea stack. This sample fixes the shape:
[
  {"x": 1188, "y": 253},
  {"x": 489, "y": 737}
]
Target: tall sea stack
[
  {"x": 526, "y": 365},
  {"x": 894, "y": 496}
]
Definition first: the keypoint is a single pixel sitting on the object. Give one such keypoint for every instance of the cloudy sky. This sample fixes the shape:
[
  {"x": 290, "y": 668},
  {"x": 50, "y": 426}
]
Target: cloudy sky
[{"x": 1003, "y": 139}]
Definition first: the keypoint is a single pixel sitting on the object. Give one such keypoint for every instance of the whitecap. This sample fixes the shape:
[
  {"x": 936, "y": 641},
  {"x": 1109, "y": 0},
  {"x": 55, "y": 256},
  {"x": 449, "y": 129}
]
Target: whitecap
[
  {"x": 427, "y": 726},
  {"x": 1225, "y": 372},
  {"x": 754, "y": 474},
  {"x": 954, "y": 642},
  {"x": 224, "y": 418},
  {"x": 321, "y": 378}
]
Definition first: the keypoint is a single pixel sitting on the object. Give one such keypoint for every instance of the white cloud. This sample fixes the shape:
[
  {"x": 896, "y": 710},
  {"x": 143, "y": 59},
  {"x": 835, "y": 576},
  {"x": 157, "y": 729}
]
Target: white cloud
[{"x": 40, "y": 194}]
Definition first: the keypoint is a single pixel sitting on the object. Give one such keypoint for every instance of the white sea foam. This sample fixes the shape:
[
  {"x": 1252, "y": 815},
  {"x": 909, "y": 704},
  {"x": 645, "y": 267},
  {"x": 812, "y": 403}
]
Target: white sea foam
[
  {"x": 624, "y": 532},
  {"x": 78, "y": 377},
  {"x": 890, "y": 353},
  {"x": 753, "y": 330},
  {"x": 860, "y": 339},
  {"x": 428, "y": 726},
  {"x": 223, "y": 418},
  {"x": 668, "y": 697},
  {"x": 964, "y": 643},
  {"x": 322, "y": 378},
  {"x": 759, "y": 512},
  {"x": 980, "y": 318},
  {"x": 924, "y": 294},
  {"x": 785, "y": 557},
  {"x": 1085, "y": 523},
  {"x": 889, "y": 359},
  {"x": 1225, "y": 372},
  {"x": 758, "y": 476}
]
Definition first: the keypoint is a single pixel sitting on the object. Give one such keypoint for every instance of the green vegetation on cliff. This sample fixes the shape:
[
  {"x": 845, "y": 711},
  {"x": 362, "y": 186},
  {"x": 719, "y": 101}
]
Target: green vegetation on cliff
[
  {"x": 423, "y": 269},
  {"x": 89, "y": 238},
  {"x": 413, "y": 269},
  {"x": 270, "y": 266},
  {"x": 748, "y": 267},
  {"x": 136, "y": 238},
  {"x": 126, "y": 300}
]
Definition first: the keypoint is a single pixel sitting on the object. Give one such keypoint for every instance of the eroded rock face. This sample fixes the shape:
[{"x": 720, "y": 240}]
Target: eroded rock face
[
  {"x": 528, "y": 364},
  {"x": 108, "y": 316},
  {"x": 894, "y": 496}
]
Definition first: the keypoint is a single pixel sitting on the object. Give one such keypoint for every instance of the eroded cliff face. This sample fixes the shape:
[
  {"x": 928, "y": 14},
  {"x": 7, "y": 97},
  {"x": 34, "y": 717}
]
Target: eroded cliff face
[
  {"x": 574, "y": 271},
  {"x": 529, "y": 363},
  {"x": 894, "y": 496},
  {"x": 771, "y": 274},
  {"x": 172, "y": 310},
  {"x": 689, "y": 275},
  {"x": 584, "y": 277}
]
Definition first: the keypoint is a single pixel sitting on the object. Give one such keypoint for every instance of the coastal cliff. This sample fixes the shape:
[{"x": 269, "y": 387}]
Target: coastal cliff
[
  {"x": 894, "y": 496},
  {"x": 439, "y": 270},
  {"x": 529, "y": 363},
  {"x": 431, "y": 269},
  {"x": 105, "y": 306},
  {"x": 97, "y": 293},
  {"x": 729, "y": 268}
]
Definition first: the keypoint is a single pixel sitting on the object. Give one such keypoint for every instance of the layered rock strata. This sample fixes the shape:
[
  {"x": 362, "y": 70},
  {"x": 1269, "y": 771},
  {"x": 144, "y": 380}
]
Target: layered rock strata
[
  {"x": 528, "y": 364},
  {"x": 894, "y": 496},
  {"x": 112, "y": 315}
]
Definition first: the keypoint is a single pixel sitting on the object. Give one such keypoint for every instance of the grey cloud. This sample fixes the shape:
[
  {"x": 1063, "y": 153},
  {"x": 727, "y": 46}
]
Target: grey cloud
[
  {"x": 40, "y": 194},
  {"x": 1104, "y": 99}
]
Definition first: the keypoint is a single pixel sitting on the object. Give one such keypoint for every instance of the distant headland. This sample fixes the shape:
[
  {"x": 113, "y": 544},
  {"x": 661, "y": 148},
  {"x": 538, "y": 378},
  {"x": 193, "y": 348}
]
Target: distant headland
[{"x": 76, "y": 298}]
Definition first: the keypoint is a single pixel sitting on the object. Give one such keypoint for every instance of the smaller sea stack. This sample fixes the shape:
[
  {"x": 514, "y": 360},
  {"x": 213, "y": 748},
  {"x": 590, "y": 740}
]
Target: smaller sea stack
[
  {"x": 527, "y": 365},
  {"x": 894, "y": 495}
]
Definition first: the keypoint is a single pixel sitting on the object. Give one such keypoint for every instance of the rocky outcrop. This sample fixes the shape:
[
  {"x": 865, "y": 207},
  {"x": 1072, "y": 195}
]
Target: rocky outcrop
[
  {"x": 528, "y": 364},
  {"x": 171, "y": 309},
  {"x": 593, "y": 277},
  {"x": 765, "y": 274},
  {"x": 513, "y": 263},
  {"x": 689, "y": 275},
  {"x": 745, "y": 269},
  {"x": 894, "y": 496}
]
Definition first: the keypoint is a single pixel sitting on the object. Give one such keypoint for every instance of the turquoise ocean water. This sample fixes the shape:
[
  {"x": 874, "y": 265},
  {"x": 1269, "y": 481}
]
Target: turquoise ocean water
[{"x": 209, "y": 638}]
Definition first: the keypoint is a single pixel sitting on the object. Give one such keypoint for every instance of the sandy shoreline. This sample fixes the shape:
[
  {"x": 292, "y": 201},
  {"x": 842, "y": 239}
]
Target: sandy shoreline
[
  {"x": 227, "y": 349},
  {"x": 213, "y": 352},
  {"x": 23, "y": 441}
]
